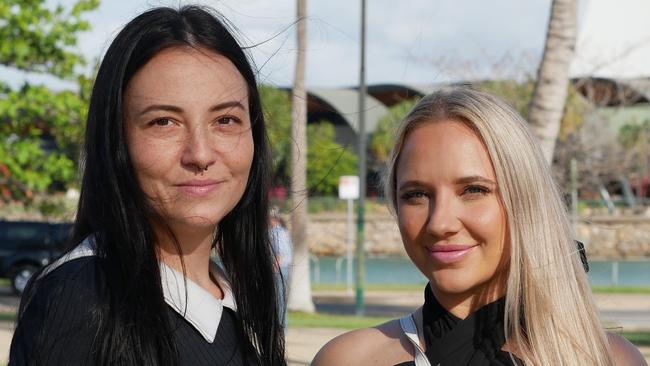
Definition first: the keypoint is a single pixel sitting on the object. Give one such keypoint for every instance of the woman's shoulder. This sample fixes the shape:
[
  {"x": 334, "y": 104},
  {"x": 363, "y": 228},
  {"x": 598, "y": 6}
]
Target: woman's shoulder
[
  {"x": 59, "y": 314},
  {"x": 384, "y": 344},
  {"x": 624, "y": 352},
  {"x": 80, "y": 273}
]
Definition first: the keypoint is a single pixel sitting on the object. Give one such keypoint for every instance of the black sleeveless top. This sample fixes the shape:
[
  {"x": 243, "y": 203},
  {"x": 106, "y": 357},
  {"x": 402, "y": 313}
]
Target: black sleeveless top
[{"x": 475, "y": 341}]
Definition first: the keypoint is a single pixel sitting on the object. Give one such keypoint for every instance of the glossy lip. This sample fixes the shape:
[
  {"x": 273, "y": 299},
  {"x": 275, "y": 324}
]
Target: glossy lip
[
  {"x": 450, "y": 253},
  {"x": 199, "y": 187}
]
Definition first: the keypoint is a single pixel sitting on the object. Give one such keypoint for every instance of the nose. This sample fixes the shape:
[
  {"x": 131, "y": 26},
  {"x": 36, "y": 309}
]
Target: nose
[
  {"x": 443, "y": 218},
  {"x": 198, "y": 150}
]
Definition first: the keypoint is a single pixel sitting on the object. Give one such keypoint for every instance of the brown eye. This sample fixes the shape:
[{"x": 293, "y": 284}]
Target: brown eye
[
  {"x": 227, "y": 120},
  {"x": 162, "y": 122}
]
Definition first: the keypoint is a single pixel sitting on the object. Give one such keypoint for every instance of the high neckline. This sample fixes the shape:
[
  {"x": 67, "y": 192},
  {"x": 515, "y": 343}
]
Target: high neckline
[{"x": 475, "y": 340}]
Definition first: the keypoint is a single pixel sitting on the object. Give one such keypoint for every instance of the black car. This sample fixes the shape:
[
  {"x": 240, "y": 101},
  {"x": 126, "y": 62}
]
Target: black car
[{"x": 27, "y": 246}]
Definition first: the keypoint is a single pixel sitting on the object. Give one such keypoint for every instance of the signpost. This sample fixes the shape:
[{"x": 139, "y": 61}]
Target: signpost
[{"x": 349, "y": 190}]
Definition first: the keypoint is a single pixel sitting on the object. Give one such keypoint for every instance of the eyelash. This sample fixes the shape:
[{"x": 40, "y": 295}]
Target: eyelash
[
  {"x": 469, "y": 190},
  {"x": 221, "y": 121},
  {"x": 406, "y": 196},
  {"x": 233, "y": 118},
  {"x": 481, "y": 190},
  {"x": 156, "y": 121}
]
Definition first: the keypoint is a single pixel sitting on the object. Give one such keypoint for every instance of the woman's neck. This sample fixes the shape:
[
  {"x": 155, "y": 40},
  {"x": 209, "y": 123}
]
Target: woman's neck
[
  {"x": 461, "y": 305},
  {"x": 194, "y": 257}
]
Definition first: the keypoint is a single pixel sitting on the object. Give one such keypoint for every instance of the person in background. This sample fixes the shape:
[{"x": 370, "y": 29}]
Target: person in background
[
  {"x": 480, "y": 216},
  {"x": 283, "y": 249},
  {"x": 176, "y": 164}
]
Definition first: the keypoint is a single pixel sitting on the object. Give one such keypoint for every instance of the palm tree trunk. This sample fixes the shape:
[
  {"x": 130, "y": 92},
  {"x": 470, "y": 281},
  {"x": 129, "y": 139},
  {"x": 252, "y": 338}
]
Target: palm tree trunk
[
  {"x": 300, "y": 290},
  {"x": 551, "y": 88}
]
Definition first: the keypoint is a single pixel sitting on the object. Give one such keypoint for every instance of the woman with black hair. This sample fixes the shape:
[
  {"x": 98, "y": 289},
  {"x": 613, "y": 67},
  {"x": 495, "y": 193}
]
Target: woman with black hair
[{"x": 176, "y": 164}]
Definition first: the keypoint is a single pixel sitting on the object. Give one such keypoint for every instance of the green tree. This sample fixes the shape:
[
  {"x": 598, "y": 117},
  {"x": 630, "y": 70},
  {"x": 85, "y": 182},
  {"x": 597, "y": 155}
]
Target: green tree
[
  {"x": 277, "y": 113},
  {"x": 635, "y": 138},
  {"x": 520, "y": 94},
  {"x": 517, "y": 93},
  {"x": 384, "y": 135},
  {"x": 326, "y": 160},
  {"x": 40, "y": 129}
]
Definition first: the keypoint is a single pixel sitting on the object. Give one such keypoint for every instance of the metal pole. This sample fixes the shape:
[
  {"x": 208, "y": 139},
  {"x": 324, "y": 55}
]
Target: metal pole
[
  {"x": 350, "y": 244},
  {"x": 362, "y": 167}
]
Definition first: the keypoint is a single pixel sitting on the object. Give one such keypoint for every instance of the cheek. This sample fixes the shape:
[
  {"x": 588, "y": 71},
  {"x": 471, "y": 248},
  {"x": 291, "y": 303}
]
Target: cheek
[
  {"x": 488, "y": 219},
  {"x": 151, "y": 160},
  {"x": 242, "y": 160},
  {"x": 487, "y": 224},
  {"x": 410, "y": 221}
]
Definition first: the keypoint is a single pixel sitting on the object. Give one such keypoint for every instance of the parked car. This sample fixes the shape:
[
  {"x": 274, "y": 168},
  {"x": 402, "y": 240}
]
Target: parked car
[{"x": 27, "y": 246}]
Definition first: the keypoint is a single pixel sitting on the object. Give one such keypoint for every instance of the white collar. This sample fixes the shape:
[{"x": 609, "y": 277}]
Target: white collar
[{"x": 199, "y": 307}]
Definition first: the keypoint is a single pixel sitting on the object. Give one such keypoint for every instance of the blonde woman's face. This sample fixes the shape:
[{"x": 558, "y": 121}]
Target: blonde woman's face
[{"x": 449, "y": 212}]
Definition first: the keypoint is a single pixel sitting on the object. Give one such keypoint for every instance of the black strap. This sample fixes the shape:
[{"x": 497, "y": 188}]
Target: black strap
[{"x": 583, "y": 255}]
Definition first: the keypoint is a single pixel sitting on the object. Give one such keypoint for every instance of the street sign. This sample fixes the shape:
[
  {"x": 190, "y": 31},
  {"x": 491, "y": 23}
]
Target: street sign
[{"x": 348, "y": 187}]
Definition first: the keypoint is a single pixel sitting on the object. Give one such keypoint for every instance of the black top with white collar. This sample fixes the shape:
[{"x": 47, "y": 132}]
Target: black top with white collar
[{"x": 59, "y": 327}]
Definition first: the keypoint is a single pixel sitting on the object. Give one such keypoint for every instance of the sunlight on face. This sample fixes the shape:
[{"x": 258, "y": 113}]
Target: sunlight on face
[
  {"x": 189, "y": 135},
  {"x": 449, "y": 212}
]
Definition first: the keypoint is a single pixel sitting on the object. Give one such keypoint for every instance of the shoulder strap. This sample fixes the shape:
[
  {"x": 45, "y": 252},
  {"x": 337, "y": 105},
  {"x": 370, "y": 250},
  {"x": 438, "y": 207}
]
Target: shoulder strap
[{"x": 411, "y": 331}]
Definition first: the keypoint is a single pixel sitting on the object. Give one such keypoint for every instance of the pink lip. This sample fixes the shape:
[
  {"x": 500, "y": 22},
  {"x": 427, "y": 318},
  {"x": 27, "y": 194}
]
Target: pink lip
[
  {"x": 198, "y": 187},
  {"x": 450, "y": 253}
]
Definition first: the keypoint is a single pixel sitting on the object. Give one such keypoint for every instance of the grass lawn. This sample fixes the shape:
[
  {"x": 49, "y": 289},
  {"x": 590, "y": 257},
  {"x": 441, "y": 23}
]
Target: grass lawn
[
  {"x": 370, "y": 287},
  {"x": 621, "y": 290},
  {"x": 641, "y": 338},
  {"x": 7, "y": 316},
  {"x": 321, "y": 320}
]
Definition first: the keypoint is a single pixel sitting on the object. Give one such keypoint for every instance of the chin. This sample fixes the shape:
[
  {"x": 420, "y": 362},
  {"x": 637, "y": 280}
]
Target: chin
[
  {"x": 196, "y": 220},
  {"x": 453, "y": 282}
]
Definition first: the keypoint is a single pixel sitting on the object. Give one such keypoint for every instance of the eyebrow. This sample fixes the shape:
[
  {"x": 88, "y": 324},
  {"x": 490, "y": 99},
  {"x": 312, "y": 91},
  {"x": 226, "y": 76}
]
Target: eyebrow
[
  {"x": 176, "y": 109},
  {"x": 474, "y": 179},
  {"x": 411, "y": 183},
  {"x": 461, "y": 180}
]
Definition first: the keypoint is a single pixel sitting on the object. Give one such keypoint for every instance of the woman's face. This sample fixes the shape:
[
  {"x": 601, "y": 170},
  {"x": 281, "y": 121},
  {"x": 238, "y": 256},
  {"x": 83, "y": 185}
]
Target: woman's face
[
  {"x": 189, "y": 135},
  {"x": 449, "y": 212}
]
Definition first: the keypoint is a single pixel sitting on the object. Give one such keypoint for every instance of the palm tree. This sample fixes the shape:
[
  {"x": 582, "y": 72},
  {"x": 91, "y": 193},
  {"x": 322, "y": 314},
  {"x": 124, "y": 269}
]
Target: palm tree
[
  {"x": 300, "y": 290},
  {"x": 551, "y": 88}
]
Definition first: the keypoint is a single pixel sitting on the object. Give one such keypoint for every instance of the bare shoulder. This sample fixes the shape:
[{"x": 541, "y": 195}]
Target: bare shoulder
[
  {"x": 625, "y": 353},
  {"x": 380, "y": 345}
]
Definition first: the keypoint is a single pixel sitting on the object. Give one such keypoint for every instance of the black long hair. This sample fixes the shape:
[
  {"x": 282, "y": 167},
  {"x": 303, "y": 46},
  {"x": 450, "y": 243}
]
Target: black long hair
[{"x": 135, "y": 329}]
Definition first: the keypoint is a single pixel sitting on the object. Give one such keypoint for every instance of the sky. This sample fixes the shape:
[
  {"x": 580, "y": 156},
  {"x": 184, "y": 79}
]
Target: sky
[{"x": 419, "y": 41}]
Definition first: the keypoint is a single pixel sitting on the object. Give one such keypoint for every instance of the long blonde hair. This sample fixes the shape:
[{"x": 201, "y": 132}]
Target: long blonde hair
[{"x": 550, "y": 314}]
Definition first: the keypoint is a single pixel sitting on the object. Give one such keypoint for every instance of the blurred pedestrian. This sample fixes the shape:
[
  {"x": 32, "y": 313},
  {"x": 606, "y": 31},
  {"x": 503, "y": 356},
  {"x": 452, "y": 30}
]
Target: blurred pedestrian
[{"x": 283, "y": 248}]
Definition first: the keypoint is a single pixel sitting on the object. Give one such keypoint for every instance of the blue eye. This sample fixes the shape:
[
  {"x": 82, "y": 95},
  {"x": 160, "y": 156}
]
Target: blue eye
[
  {"x": 476, "y": 190},
  {"x": 412, "y": 195}
]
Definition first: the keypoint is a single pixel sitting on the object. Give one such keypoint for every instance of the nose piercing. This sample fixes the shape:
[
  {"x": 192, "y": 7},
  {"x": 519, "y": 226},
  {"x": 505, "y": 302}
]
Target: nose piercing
[{"x": 202, "y": 169}]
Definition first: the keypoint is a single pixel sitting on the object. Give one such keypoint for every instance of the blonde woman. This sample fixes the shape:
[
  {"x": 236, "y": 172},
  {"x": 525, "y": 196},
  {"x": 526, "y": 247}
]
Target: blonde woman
[{"x": 482, "y": 219}]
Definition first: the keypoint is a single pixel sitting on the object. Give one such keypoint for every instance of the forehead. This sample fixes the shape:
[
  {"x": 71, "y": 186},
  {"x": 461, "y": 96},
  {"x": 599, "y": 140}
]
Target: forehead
[
  {"x": 185, "y": 74},
  {"x": 446, "y": 149}
]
